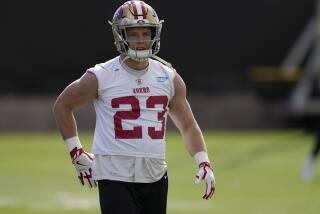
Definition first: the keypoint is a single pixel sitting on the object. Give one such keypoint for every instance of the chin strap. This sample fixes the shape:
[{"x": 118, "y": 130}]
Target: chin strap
[{"x": 124, "y": 59}]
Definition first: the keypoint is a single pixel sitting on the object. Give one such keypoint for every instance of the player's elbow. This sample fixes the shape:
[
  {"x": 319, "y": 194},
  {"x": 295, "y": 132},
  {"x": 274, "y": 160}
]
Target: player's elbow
[{"x": 58, "y": 107}]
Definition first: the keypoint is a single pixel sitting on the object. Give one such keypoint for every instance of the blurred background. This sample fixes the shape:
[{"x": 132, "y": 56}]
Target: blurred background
[
  {"x": 251, "y": 70},
  {"x": 215, "y": 46}
]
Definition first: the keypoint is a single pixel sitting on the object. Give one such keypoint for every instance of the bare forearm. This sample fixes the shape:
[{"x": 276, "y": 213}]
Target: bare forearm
[
  {"x": 193, "y": 139},
  {"x": 65, "y": 121}
]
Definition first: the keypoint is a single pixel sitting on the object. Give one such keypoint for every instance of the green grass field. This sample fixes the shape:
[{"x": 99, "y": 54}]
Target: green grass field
[{"x": 256, "y": 172}]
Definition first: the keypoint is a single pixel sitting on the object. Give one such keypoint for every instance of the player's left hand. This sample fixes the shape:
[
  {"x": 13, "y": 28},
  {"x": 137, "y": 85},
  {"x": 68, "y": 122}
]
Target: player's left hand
[{"x": 206, "y": 173}]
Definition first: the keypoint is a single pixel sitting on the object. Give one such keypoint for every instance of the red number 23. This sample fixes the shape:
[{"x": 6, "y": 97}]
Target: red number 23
[{"x": 134, "y": 113}]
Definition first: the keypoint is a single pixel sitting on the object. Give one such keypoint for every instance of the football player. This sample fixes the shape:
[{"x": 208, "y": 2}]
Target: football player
[
  {"x": 310, "y": 163},
  {"x": 132, "y": 94}
]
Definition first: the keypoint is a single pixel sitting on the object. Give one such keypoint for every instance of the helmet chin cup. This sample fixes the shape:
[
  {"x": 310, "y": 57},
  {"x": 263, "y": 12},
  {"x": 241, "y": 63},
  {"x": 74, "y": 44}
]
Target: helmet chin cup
[{"x": 139, "y": 56}]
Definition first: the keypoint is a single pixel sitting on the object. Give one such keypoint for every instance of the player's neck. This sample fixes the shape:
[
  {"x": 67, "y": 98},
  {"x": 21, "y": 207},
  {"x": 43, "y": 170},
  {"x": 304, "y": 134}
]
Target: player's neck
[{"x": 139, "y": 66}]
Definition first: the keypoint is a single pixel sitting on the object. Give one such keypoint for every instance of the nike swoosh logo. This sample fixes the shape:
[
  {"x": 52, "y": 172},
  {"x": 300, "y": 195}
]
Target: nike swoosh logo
[{"x": 78, "y": 162}]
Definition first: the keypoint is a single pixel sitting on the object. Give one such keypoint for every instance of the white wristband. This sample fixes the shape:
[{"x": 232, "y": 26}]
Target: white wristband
[
  {"x": 200, "y": 157},
  {"x": 72, "y": 142}
]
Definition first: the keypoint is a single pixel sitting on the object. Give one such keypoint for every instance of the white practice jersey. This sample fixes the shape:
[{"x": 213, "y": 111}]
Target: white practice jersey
[
  {"x": 128, "y": 169},
  {"x": 131, "y": 109}
]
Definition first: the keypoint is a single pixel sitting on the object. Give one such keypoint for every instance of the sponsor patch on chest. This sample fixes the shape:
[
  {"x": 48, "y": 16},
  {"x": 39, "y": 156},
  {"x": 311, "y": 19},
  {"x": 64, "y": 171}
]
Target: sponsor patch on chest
[{"x": 162, "y": 79}]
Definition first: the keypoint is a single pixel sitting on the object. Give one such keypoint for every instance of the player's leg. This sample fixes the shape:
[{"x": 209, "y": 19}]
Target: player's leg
[
  {"x": 117, "y": 197},
  {"x": 316, "y": 149},
  {"x": 309, "y": 165},
  {"x": 156, "y": 200}
]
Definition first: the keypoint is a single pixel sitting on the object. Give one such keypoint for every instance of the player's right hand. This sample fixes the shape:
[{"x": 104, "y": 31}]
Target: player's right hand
[{"x": 83, "y": 162}]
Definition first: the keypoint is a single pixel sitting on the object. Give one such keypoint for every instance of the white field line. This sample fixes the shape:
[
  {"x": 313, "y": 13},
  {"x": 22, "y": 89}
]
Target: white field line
[
  {"x": 7, "y": 201},
  {"x": 72, "y": 202},
  {"x": 66, "y": 201},
  {"x": 188, "y": 205}
]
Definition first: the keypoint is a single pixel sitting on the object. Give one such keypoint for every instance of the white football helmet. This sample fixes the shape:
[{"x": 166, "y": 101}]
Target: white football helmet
[{"x": 136, "y": 14}]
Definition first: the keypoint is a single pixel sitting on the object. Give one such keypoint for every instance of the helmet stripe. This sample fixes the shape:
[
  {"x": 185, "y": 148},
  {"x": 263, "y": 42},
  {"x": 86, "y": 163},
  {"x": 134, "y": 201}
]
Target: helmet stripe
[
  {"x": 139, "y": 9},
  {"x": 144, "y": 10},
  {"x": 135, "y": 13}
]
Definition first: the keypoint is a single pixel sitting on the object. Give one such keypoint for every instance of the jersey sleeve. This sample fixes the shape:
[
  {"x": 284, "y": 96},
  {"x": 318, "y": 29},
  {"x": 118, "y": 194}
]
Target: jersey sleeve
[
  {"x": 101, "y": 74},
  {"x": 171, "y": 72}
]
